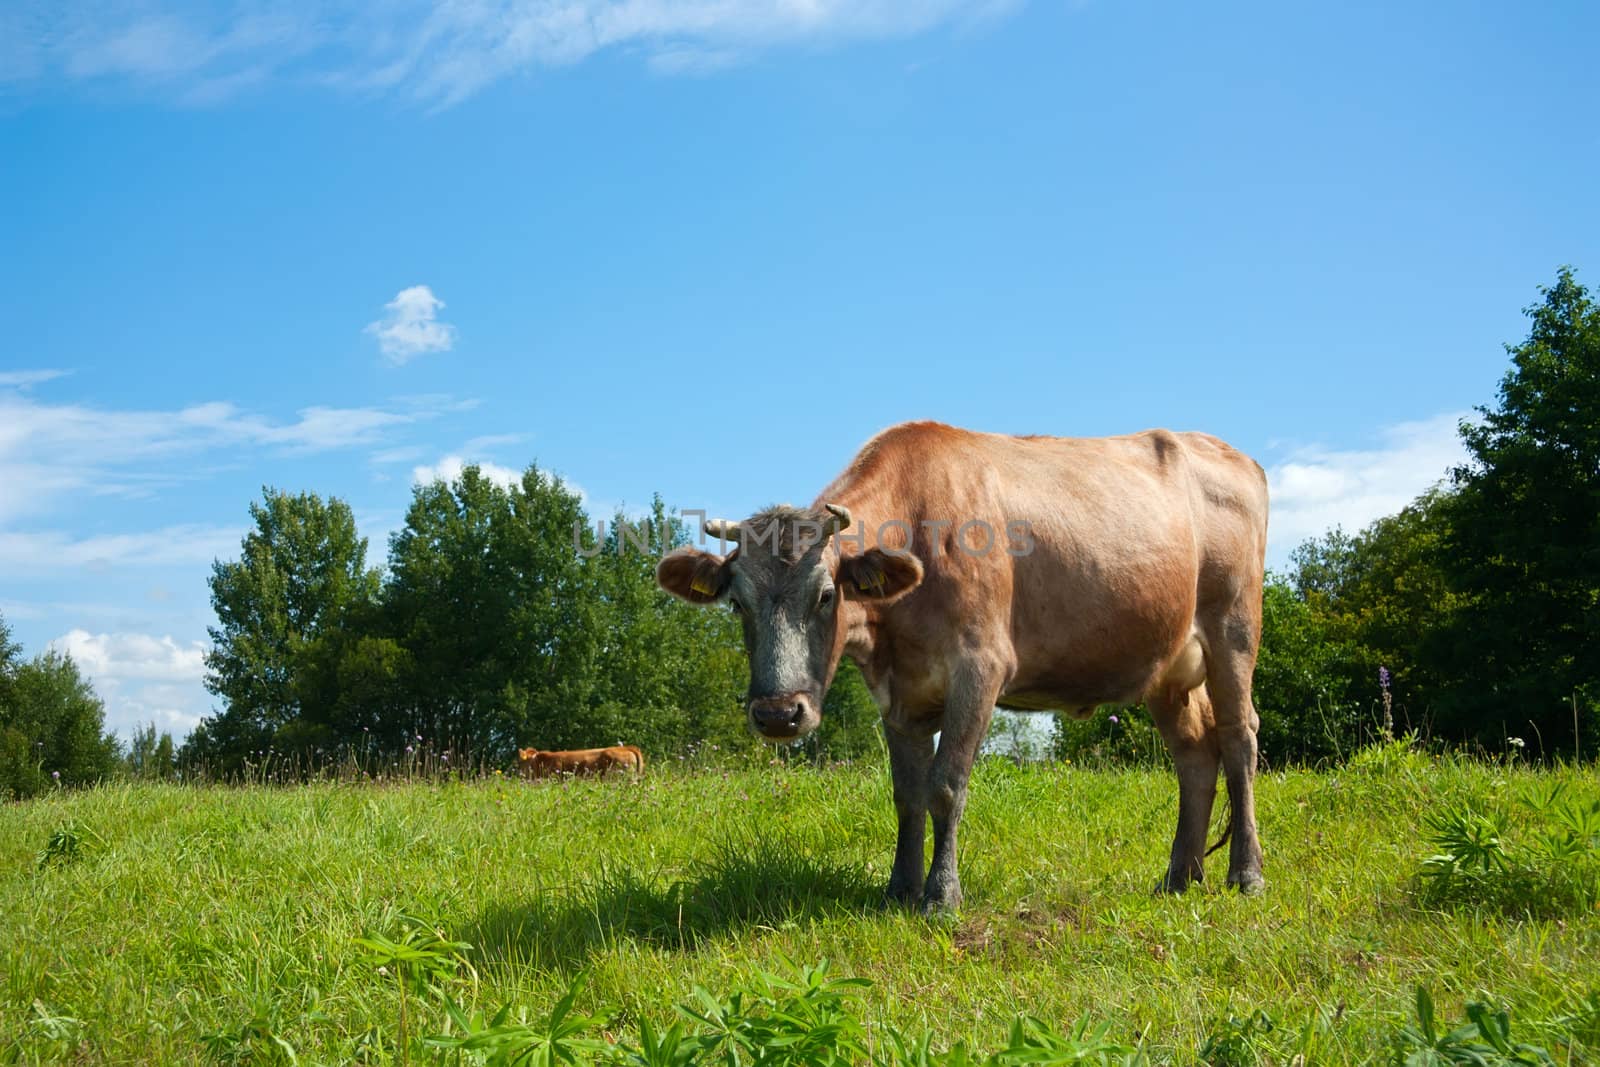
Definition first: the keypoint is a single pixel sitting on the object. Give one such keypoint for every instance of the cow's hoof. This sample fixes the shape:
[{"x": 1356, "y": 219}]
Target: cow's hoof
[
  {"x": 903, "y": 894},
  {"x": 1171, "y": 885},
  {"x": 941, "y": 899},
  {"x": 1249, "y": 883}
]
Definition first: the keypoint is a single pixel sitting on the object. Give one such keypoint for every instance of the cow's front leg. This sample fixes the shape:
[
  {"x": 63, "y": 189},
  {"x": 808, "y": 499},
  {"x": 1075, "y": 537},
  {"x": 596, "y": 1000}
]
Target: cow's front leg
[
  {"x": 910, "y": 758},
  {"x": 966, "y": 722}
]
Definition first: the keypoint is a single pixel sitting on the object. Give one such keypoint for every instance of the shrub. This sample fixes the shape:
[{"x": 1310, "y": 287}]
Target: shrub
[{"x": 1548, "y": 866}]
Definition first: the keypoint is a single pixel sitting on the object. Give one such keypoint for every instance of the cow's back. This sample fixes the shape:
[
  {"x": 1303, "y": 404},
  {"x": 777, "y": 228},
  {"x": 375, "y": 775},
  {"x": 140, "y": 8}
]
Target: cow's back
[{"x": 1103, "y": 550}]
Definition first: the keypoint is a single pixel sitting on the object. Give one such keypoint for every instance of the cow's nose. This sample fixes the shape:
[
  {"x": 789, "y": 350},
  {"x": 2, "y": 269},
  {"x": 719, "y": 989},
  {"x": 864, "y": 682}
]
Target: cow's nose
[{"x": 778, "y": 716}]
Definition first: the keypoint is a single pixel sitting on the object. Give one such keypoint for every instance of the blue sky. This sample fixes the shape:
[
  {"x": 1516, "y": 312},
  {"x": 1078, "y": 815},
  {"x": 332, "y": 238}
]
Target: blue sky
[{"x": 707, "y": 247}]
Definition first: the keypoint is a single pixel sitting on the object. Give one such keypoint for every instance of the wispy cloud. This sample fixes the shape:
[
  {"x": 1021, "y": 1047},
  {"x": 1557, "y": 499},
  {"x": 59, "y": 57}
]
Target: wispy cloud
[
  {"x": 142, "y": 678},
  {"x": 22, "y": 379},
  {"x": 411, "y": 327},
  {"x": 1314, "y": 489},
  {"x": 44, "y": 552},
  {"x": 47, "y": 450},
  {"x": 439, "y": 51}
]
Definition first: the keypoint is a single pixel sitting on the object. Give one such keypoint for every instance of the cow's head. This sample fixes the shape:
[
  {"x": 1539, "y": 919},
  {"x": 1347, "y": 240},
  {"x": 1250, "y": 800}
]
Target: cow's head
[{"x": 791, "y": 587}]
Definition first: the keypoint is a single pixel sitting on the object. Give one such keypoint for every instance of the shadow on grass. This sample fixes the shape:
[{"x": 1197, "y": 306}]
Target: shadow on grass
[{"x": 739, "y": 887}]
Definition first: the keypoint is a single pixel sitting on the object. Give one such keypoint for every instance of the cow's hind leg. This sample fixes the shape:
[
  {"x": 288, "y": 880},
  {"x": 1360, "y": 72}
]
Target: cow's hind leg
[
  {"x": 1230, "y": 662},
  {"x": 910, "y": 758},
  {"x": 1186, "y": 725}
]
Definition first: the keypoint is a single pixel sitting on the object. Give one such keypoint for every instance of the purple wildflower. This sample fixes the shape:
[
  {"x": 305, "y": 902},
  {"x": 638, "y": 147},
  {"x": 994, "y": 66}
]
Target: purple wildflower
[
  {"x": 1114, "y": 719},
  {"x": 408, "y": 750},
  {"x": 1383, "y": 678},
  {"x": 56, "y": 775}
]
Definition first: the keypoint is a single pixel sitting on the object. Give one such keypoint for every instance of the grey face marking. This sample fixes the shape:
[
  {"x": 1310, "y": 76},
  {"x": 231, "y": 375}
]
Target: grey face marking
[{"x": 786, "y": 603}]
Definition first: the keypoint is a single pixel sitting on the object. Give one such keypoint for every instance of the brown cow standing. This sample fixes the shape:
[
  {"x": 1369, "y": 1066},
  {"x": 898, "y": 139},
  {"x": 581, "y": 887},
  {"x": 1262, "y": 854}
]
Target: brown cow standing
[
  {"x": 966, "y": 570},
  {"x": 584, "y": 761}
]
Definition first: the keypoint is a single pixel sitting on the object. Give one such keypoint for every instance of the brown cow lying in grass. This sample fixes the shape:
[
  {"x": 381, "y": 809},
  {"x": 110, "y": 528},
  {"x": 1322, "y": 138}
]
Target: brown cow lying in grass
[{"x": 535, "y": 764}]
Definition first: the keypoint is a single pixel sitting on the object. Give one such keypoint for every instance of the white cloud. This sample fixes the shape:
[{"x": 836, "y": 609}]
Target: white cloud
[
  {"x": 22, "y": 379},
  {"x": 412, "y": 327},
  {"x": 142, "y": 678},
  {"x": 449, "y": 469},
  {"x": 1315, "y": 489},
  {"x": 140, "y": 656},
  {"x": 439, "y": 51}
]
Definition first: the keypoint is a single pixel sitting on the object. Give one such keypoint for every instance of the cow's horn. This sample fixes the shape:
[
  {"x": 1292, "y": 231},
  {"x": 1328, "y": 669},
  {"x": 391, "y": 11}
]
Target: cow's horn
[
  {"x": 722, "y": 529},
  {"x": 840, "y": 520}
]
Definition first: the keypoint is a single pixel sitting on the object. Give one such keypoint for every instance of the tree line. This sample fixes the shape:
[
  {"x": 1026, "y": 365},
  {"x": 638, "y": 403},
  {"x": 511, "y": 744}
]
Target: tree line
[{"x": 1468, "y": 616}]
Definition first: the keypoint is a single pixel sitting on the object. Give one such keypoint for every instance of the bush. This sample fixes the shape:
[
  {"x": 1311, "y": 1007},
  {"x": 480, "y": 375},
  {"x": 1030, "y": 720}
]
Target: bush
[
  {"x": 52, "y": 729},
  {"x": 1121, "y": 736},
  {"x": 1548, "y": 865}
]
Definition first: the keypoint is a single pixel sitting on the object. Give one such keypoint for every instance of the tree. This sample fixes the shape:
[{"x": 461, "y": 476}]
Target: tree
[
  {"x": 151, "y": 753},
  {"x": 1350, "y": 605},
  {"x": 486, "y": 599},
  {"x": 1315, "y": 683},
  {"x": 52, "y": 728},
  {"x": 10, "y": 659},
  {"x": 667, "y": 674},
  {"x": 300, "y": 577},
  {"x": 1522, "y": 552}
]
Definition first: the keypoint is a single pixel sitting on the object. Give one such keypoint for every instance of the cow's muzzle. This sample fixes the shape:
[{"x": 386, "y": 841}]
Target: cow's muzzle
[{"x": 785, "y": 717}]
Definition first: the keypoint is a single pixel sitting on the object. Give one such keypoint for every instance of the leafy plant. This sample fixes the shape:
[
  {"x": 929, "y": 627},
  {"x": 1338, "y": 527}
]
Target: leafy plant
[
  {"x": 422, "y": 959},
  {"x": 515, "y": 1040},
  {"x": 68, "y": 843},
  {"x": 1483, "y": 1041},
  {"x": 1553, "y": 869},
  {"x": 1237, "y": 1042},
  {"x": 1033, "y": 1042},
  {"x": 258, "y": 1039},
  {"x": 777, "y": 1020}
]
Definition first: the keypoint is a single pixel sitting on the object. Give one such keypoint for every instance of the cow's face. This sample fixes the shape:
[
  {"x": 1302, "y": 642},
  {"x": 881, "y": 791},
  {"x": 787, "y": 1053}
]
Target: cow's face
[{"x": 790, "y": 588}]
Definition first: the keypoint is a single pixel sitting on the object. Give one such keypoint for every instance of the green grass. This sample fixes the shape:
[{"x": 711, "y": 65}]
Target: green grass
[{"x": 163, "y": 923}]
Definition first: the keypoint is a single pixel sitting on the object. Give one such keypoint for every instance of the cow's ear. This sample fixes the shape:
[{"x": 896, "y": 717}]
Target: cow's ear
[
  {"x": 693, "y": 575},
  {"x": 879, "y": 576}
]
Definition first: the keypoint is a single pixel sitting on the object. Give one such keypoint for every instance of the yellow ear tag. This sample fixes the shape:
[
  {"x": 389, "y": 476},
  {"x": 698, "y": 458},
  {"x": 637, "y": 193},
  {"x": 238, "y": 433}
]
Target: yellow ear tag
[
  {"x": 701, "y": 586},
  {"x": 870, "y": 582}
]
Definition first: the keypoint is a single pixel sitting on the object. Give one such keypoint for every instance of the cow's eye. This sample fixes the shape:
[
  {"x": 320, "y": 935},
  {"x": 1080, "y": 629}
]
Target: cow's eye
[{"x": 825, "y": 599}]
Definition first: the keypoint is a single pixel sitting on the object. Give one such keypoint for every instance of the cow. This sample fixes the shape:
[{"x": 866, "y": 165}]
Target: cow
[
  {"x": 536, "y": 764},
  {"x": 963, "y": 571}
]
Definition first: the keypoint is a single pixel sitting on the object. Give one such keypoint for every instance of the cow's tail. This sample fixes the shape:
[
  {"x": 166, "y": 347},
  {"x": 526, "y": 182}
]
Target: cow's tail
[{"x": 1228, "y": 832}]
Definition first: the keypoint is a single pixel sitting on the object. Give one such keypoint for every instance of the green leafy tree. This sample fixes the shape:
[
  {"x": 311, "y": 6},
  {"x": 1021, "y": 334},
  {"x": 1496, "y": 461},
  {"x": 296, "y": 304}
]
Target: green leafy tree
[
  {"x": 1522, "y": 549},
  {"x": 151, "y": 753},
  {"x": 1353, "y": 604},
  {"x": 10, "y": 659},
  {"x": 52, "y": 727},
  {"x": 486, "y": 600},
  {"x": 300, "y": 577},
  {"x": 1313, "y": 688},
  {"x": 667, "y": 675}
]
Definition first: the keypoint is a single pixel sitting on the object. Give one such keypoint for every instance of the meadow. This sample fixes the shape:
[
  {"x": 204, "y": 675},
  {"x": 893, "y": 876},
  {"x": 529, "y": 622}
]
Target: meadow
[{"x": 390, "y": 922}]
